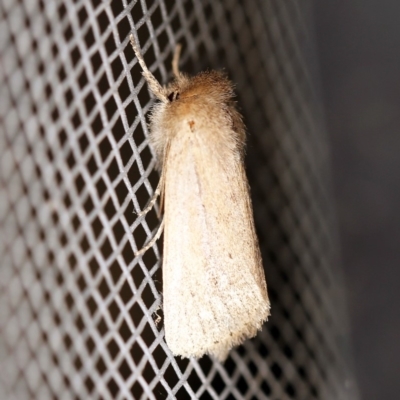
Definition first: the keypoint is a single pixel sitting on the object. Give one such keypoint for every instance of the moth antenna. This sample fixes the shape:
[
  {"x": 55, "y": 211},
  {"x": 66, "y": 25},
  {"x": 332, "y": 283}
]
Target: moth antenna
[
  {"x": 153, "y": 83},
  {"x": 152, "y": 240},
  {"x": 175, "y": 60}
]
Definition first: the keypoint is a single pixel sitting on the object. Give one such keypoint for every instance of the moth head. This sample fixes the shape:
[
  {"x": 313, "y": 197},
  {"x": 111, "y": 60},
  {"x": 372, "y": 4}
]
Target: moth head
[
  {"x": 214, "y": 84},
  {"x": 173, "y": 95}
]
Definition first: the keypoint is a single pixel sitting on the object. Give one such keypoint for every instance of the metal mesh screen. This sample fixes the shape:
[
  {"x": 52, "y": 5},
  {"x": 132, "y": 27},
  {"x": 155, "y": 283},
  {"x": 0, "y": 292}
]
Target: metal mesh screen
[{"x": 77, "y": 311}]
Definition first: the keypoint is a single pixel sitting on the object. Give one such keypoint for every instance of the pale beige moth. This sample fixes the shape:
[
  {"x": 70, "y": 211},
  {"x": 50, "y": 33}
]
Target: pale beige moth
[{"x": 214, "y": 289}]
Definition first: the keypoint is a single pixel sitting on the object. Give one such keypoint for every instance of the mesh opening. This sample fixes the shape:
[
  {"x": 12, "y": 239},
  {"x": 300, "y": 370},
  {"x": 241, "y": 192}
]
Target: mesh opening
[{"x": 78, "y": 313}]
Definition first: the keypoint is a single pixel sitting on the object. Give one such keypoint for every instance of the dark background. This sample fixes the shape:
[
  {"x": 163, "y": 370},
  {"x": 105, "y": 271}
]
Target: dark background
[{"x": 359, "y": 55}]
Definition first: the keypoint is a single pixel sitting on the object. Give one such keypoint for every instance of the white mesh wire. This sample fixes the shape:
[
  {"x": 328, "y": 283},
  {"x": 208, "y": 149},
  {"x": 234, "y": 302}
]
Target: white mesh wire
[{"x": 77, "y": 310}]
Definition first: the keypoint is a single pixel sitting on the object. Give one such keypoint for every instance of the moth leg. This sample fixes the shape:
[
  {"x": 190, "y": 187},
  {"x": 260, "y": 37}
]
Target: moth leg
[
  {"x": 153, "y": 199},
  {"x": 175, "y": 60},
  {"x": 159, "y": 189},
  {"x": 152, "y": 240},
  {"x": 163, "y": 174}
]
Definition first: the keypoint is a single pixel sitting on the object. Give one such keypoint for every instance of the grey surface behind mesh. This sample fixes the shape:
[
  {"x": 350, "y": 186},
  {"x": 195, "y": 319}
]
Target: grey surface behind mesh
[{"x": 77, "y": 310}]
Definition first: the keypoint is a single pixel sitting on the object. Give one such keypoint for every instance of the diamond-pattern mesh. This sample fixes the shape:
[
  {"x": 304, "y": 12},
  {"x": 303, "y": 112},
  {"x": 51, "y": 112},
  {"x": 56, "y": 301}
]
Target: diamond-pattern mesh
[{"x": 78, "y": 313}]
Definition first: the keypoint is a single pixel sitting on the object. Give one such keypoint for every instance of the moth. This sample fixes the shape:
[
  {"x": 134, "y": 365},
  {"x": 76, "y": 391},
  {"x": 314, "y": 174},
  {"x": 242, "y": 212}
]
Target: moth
[{"x": 214, "y": 288}]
